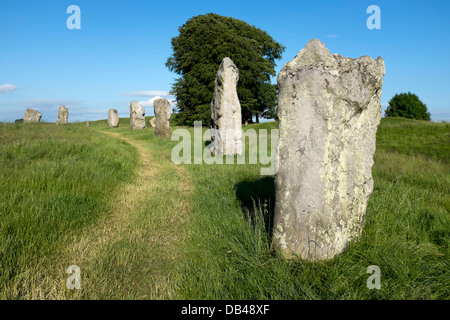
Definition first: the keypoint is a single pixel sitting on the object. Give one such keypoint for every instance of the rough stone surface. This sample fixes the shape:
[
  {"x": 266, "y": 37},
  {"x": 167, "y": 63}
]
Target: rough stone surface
[
  {"x": 88, "y": 125},
  {"x": 113, "y": 118},
  {"x": 137, "y": 116},
  {"x": 226, "y": 118},
  {"x": 153, "y": 122},
  {"x": 32, "y": 116},
  {"x": 63, "y": 115},
  {"x": 162, "y": 116},
  {"x": 329, "y": 110}
]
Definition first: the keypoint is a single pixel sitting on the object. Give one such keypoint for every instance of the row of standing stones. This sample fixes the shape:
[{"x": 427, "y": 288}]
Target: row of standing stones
[
  {"x": 137, "y": 117},
  {"x": 160, "y": 122},
  {"x": 329, "y": 110},
  {"x": 34, "y": 116}
]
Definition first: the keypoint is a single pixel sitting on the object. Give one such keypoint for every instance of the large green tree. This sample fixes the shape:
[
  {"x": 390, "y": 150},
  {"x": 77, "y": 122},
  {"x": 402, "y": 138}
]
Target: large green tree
[
  {"x": 407, "y": 105},
  {"x": 198, "y": 50}
]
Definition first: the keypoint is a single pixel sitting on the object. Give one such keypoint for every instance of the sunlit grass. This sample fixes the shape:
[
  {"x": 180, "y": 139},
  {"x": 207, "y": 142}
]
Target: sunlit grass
[
  {"x": 406, "y": 233},
  {"x": 203, "y": 231},
  {"x": 54, "y": 180}
]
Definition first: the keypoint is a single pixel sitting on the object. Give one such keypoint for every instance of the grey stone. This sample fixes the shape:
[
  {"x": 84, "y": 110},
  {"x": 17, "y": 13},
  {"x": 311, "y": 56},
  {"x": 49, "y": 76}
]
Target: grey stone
[
  {"x": 113, "y": 118},
  {"x": 137, "y": 116},
  {"x": 329, "y": 110},
  {"x": 63, "y": 115},
  {"x": 88, "y": 125},
  {"x": 226, "y": 118},
  {"x": 153, "y": 122},
  {"x": 32, "y": 116},
  {"x": 162, "y": 116}
]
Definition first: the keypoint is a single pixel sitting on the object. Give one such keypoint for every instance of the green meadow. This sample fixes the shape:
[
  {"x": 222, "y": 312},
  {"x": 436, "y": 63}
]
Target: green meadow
[{"x": 140, "y": 227}]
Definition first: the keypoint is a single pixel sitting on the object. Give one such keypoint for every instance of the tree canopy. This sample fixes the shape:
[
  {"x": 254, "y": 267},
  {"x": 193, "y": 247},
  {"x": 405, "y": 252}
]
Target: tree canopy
[
  {"x": 407, "y": 105},
  {"x": 198, "y": 50}
]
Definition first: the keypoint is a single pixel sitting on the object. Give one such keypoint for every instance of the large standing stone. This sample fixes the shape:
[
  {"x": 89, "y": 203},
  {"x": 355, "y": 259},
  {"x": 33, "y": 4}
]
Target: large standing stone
[
  {"x": 162, "y": 115},
  {"x": 63, "y": 115},
  {"x": 153, "y": 122},
  {"x": 137, "y": 116},
  {"x": 226, "y": 119},
  {"x": 32, "y": 116},
  {"x": 329, "y": 110},
  {"x": 113, "y": 118}
]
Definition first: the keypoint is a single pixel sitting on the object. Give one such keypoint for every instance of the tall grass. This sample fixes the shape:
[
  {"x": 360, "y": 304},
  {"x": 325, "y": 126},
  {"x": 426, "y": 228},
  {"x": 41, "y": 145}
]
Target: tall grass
[
  {"x": 204, "y": 231},
  {"x": 54, "y": 180},
  {"x": 406, "y": 233}
]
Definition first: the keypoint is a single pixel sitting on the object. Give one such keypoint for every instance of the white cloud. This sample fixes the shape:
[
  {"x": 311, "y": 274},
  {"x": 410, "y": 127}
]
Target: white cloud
[
  {"x": 440, "y": 115},
  {"x": 332, "y": 36},
  {"x": 149, "y": 103},
  {"x": 5, "y": 88},
  {"x": 147, "y": 94},
  {"x": 50, "y": 103},
  {"x": 152, "y": 95}
]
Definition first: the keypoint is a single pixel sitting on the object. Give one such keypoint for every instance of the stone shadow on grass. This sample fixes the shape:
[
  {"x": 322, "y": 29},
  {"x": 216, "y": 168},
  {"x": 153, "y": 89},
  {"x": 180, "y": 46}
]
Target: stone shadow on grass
[{"x": 257, "y": 199}]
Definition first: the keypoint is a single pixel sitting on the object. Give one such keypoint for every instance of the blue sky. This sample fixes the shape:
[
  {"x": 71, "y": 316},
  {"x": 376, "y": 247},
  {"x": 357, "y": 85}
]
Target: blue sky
[{"x": 120, "y": 52}]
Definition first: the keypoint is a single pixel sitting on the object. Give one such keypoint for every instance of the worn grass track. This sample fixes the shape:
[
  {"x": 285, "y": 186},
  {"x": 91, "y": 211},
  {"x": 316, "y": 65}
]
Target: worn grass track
[
  {"x": 132, "y": 254},
  {"x": 131, "y": 250}
]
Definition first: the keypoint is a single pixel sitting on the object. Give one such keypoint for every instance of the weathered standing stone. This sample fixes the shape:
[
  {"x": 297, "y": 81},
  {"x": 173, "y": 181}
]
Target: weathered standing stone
[
  {"x": 113, "y": 118},
  {"x": 32, "y": 116},
  {"x": 329, "y": 110},
  {"x": 137, "y": 116},
  {"x": 162, "y": 116},
  {"x": 226, "y": 118},
  {"x": 153, "y": 122},
  {"x": 88, "y": 125},
  {"x": 63, "y": 115}
]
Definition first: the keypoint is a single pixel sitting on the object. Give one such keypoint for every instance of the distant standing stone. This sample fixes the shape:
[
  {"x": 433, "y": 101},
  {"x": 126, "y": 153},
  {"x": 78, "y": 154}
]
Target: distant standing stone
[
  {"x": 32, "y": 116},
  {"x": 162, "y": 116},
  {"x": 226, "y": 118},
  {"x": 153, "y": 122},
  {"x": 63, "y": 115},
  {"x": 329, "y": 110},
  {"x": 18, "y": 121},
  {"x": 113, "y": 118},
  {"x": 87, "y": 124},
  {"x": 137, "y": 116}
]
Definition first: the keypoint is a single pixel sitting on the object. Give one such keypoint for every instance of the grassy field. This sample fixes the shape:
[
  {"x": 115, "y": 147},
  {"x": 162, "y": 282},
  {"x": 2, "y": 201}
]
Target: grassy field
[
  {"x": 140, "y": 227},
  {"x": 55, "y": 181}
]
